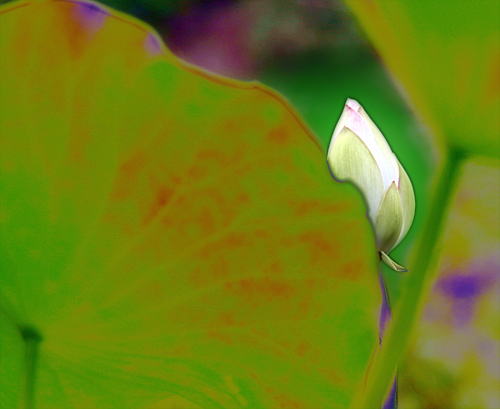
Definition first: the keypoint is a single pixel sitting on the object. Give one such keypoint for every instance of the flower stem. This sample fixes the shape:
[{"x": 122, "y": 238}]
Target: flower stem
[
  {"x": 391, "y": 402},
  {"x": 417, "y": 285}
]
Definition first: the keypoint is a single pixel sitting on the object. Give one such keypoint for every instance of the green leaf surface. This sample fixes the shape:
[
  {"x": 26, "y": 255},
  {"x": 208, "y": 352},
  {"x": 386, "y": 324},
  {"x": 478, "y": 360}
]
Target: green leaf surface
[
  {"x": 11, "y": 362},
  {"x": 446, "y": 55},
  {"x": 172, "y": 235}
]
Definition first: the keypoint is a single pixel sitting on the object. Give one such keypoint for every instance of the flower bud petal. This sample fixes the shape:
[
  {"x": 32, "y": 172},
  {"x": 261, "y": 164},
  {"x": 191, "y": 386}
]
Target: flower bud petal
[
  {"x": 355, "y": 118},
  {"x": 390, "y": 171},
  {"x": 350, "y": 160},
  {"x": 359, "y": 154},
  {"x": 389, "y": 220},
  {"x": 407, "y": 201}
]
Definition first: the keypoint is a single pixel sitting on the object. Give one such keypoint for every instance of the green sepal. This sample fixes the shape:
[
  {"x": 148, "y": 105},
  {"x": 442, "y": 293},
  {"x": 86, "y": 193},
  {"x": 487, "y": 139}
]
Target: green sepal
[
  {"x": 407, "y": 201},
  {"x": 389, "y": 220},
  {"x": 391, "y": 263}
]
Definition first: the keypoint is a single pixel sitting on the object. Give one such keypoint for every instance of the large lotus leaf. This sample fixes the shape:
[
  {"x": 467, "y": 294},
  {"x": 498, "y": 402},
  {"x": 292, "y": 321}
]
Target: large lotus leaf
[
  {"x": 174, "y": 236},
  {"x": 454, "y": 361},
  {"x": 446, "y": 55}
]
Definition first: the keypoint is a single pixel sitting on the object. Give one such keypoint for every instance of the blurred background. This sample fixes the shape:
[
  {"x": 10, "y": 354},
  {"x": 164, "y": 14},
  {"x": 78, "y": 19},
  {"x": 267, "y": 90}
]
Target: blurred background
[{"x": 315, "y": 54}]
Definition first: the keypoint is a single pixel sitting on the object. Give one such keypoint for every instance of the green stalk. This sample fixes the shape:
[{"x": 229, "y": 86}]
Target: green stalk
[
  {"x": 417, "y": 285},
  {"x": 32, "y": 339}
]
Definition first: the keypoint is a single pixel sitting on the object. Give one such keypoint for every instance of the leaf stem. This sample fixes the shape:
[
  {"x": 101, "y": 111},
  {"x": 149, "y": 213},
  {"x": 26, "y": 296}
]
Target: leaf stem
[
  {"x": 417, "y": 285},
  {"x": 32, "y": 339}
]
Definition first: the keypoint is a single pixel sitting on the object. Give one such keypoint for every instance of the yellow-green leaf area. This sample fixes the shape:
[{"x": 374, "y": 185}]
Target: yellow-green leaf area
[
  {"x": 447, "y": 57},
  {"x": 174, "y": 236},
  {"x": 462, "y": 310}
]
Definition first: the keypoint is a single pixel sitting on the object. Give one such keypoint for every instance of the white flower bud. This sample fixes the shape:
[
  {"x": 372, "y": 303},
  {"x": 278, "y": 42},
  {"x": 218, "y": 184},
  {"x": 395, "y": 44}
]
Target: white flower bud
[{"x": 359, "y": 154}]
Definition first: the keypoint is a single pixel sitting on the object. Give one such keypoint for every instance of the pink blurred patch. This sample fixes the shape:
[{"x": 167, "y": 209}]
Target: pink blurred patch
[
  {"x": 152, "y": 46},
  {"x": 90, "y": 16},
  {"x": 217, "y": 40}
]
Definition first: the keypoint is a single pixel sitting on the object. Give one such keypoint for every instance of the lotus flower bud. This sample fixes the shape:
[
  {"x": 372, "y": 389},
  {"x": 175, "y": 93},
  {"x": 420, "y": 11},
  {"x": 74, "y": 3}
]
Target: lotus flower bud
[{"x": 359, "y": 154}]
